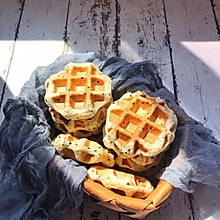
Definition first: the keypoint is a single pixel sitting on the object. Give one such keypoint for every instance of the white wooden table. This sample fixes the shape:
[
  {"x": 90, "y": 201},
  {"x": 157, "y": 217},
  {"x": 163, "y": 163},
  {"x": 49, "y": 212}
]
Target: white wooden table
[{"x": 180, "y": 36}]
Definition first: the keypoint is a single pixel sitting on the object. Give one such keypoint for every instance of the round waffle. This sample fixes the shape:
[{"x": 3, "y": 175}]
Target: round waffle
[
  {"x": 82, "y": 89},
  {"x": 139, "y": 125},
  {"x": 122, "y": 183},
  {"x": 83, "y": 150}
]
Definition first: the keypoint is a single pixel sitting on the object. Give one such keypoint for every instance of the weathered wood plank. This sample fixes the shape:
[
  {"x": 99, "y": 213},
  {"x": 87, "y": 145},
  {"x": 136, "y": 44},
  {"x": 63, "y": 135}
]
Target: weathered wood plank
[
  {"x": 90, "y": 210},
  {"x": 178, "y": 200},
  {"x": 91, "y": 27},
  {"x": 39, "y": 41},
  {"x": 192, "y": 22},
  {"x": 207, "y": 202},
  {"x": 10, "y": 12},
  {"x": 143, "y": 35}
]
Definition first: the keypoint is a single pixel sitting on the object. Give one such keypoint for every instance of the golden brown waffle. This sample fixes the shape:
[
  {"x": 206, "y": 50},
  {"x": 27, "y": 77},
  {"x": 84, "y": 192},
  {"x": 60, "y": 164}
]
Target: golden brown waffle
[
  {"x": 125, "y": 184},
  {"x": 83, "y": 150},
  {"x": 139, "y": 125},
  {"x": 79, "y": 91}
]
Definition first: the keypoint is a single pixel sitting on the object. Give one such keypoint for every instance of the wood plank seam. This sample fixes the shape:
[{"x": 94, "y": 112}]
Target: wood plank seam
[
  {"x": 175, "y": 86},
  {"x": 191, "y": 199},
  {"x": 117, "y": 40},
  {"x": 65, "y": 34},
  {"x": 215, "y": 17},
  {"x": 190, "y": 196},
  {"x": 22, "y": 4}
]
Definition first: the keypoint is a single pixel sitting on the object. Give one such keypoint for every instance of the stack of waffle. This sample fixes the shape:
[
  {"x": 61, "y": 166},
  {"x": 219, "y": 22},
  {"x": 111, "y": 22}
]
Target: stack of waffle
[
  {"x": 78, "y": 98},
  {"x": 139, "y": 129}
]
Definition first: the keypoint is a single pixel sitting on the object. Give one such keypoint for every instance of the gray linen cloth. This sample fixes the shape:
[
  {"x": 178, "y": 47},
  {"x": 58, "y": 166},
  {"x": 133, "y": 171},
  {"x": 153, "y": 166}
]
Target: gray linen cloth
[{"x": 36, "y": 183}]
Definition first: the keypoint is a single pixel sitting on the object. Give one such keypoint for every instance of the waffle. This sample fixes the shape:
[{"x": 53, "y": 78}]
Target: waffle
[
  {"x": 90, "y": 124},
  {"x": 83, "y": 150},
  {"x": 122, "y": 183},
  {"x": 138, "y": 164},
  {"x": 79, "y": 90},
  {"x": 139, "y": 125}
]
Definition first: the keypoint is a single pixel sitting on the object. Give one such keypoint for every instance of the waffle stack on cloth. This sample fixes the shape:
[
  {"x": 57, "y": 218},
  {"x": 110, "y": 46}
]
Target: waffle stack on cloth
[{"x": 36, "y": 183}]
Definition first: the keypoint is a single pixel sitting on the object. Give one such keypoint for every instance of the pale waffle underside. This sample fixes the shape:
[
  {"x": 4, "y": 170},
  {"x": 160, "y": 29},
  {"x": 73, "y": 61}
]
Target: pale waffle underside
[
  {"x": 83, "y": 150},
  {"x": 91, "y": 124},
  {"x": 137, "y": 124},
  {"x": 137, "y": 165},
  {"x": 79, "y": 90},
  {"x": 120, "y": 182},
  {"x": 79, "y": 133}
]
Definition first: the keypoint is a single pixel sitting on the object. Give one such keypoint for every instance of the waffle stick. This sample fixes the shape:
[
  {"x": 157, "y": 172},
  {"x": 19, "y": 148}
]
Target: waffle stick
[{"x": 83, "y": 150}]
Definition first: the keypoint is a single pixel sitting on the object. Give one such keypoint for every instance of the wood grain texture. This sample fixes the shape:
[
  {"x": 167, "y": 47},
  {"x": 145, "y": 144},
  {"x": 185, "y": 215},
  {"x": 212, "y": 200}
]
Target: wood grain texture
[
  {"x": 206, "y": 202},
  {"x": 91, "y": 27},
  {"x": 190, "y": 23},
  {"x": 39, "y": 41},
  {"x": 9, "y": 20},
  {"x": 143, "y": 35}
]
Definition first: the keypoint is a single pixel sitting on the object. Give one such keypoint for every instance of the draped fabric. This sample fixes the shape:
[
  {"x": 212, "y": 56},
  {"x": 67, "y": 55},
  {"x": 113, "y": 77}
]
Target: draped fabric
[{"x": 36, "y": 183}]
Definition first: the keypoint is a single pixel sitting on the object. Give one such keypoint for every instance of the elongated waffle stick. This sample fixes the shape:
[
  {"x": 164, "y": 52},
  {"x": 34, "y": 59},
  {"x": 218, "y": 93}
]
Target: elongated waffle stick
[{"x": 83, "y": 150}]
